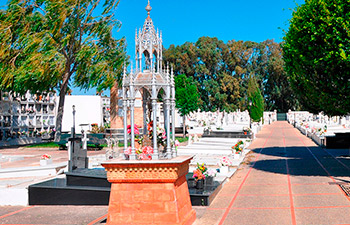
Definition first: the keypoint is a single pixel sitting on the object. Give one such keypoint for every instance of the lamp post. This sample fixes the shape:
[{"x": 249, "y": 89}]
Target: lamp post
[{"x": 73, "y": 128}]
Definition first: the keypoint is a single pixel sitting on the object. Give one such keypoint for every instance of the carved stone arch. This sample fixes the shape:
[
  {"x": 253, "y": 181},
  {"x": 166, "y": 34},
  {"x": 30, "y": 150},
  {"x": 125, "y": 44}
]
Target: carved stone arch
[
  {"x": 147, "y": 58},
  {"x": 161, "y": 92}
]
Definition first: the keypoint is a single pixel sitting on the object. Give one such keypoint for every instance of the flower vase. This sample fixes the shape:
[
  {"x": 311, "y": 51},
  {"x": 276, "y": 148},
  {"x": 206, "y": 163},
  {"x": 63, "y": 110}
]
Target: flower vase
[
  {"x": 208, "y": 181},
  {"x": 45, "y": 162},
  {"x": 224, "y": 169},
  {"x": 200, "y": 184},
  {"x": 237, "y": 155},
  {"x": 191, "y": 183}
]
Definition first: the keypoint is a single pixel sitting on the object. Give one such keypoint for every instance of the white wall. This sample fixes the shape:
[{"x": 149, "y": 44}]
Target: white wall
[{"x": 88, "y": 110}]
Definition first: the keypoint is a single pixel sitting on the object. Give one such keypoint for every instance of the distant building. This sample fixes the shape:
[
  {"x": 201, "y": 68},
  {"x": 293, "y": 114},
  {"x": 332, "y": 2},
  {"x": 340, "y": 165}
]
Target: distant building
[
  {"x": 27, "y": 115},
  {"x": 89, "y": 109}
]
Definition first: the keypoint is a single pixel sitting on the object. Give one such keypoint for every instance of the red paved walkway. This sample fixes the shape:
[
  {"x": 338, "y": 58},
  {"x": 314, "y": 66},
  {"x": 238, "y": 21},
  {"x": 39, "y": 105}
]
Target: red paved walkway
[{"x": 288, "y": 181}]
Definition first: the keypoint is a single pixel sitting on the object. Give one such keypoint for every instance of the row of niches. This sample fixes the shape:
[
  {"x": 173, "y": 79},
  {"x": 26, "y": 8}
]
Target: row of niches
[
  {"x": 27, "y": 108},
  {"x": 8, "y": 134},
  {"x": 27, "y": 121},
  {"x": 28, "y": 97}
]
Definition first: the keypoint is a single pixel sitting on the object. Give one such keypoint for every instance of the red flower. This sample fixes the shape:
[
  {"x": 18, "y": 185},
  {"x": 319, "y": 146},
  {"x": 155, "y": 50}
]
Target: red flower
[
  {"x": 136, "y": 129},
  {"x": 147, "y": 150},
  {"x": 150, "y": 126}
]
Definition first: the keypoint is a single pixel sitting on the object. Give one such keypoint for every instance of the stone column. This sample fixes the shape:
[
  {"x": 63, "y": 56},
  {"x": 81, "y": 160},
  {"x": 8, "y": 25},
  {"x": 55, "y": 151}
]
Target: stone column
[
  {"x": 167, "y": 122},
  {"x": 155, "y": 146},
  {"x": 125, "y": 120},
  {"x": 132, "y": 134}
]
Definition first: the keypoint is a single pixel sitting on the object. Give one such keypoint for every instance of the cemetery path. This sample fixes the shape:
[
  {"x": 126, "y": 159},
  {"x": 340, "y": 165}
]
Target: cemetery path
[{"x": 286, "y": 179}]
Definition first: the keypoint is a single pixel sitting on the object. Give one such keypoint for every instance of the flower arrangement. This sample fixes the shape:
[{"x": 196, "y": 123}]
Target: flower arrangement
[
  {"x": 225, "y": 161},
  {"x": 95, "y": 129},
  {"x": 238, "y": 147},
  {"x": 45, "y": 157},
  {"x": 143, "y": 153},
  {"x": 198, "y": 175},
  {"x": 177, "y": 143},
  {"x": 138, "y": 136},
  {"x": 247, "y": 130},
  {"x": 202, "y": 167},
  {"x": 136, "y": 129},
  {"x": 210, "y": 173},
  {"x": 161, "y": 135},
  {"x": 201, "y": 172}
]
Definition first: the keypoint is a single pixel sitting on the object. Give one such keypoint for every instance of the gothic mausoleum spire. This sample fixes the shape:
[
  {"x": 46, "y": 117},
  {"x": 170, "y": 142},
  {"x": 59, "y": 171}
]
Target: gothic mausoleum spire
[{"x": 148, "y": 9}]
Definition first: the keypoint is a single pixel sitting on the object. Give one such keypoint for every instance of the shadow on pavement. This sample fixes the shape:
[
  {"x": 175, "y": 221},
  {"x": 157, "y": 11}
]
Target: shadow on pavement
[{"x": 302, "y": 163}]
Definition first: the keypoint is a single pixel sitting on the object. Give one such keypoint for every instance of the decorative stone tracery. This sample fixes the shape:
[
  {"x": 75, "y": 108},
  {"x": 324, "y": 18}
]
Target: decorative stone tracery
[{"x": 150, "y": 80}]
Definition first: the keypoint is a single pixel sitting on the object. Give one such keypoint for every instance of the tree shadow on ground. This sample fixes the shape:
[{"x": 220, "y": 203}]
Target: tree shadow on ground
[{"x": 302, "y": 163}]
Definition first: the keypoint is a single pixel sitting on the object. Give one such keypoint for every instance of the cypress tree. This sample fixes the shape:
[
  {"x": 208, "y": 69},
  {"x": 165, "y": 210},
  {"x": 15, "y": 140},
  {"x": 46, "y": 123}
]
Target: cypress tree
[{"x": 255, "y": 99}]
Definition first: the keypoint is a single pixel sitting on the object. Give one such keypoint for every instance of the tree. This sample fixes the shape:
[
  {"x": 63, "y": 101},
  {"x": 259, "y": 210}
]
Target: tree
[
  {"x": 276, "y": 86},
  {"x": 187, "y": 97},
  {"x": 255, "y": 99},
  {"x": 47, "y": 44},
  {"x": 317, "y": 55}
]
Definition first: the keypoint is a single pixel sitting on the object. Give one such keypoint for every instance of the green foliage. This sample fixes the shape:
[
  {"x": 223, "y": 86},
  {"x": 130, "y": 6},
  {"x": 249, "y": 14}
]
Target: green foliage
[
  {"x": 44, "y": 145},
  {"x": 317, "y": 55},
  {"x": 46, "y": 44},
  {"x": 221, "y": 72},
  {"x": 181, "y": 139},
  {"x": 255, "y": 99},
  {"x": 186, "y": 94}
]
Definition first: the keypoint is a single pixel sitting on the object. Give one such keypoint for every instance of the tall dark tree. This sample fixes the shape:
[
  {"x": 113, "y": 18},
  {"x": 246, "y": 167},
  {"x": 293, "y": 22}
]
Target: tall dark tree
[
  {"x": 187, "y": 97},
  {"x": 277, "y": 89},
  {"x": 46, "y": 44},
  {"x": 255, "y": 99},
  {"x": 317, "y": 55}
]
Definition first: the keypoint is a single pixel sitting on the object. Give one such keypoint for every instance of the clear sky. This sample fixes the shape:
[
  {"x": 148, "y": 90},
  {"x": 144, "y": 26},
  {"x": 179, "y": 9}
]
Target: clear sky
[{"x": 187, "y": 20}]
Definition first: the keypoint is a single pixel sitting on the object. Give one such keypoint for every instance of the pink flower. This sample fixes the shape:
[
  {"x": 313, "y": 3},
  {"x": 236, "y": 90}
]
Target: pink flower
[
  {"x": 143, "y": 156},
  {"x": 177, "y": 143},
  {"x": 127, "y": 151},
  {"x": 147, "y": 150},
  {"x": 136, "y": 129}
]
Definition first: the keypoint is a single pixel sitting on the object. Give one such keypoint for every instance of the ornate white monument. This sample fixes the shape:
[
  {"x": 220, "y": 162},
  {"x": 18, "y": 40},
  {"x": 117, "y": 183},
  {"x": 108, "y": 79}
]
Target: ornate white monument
[{"x": 152, "y": 81}]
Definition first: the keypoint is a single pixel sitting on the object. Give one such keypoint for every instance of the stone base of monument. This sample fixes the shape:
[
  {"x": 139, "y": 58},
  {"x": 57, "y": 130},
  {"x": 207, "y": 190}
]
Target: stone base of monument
[{"x": 149, "y": 192}]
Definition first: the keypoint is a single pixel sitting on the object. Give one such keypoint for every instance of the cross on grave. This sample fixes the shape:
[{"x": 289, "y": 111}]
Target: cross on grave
[{"x": 76, "y": 154}]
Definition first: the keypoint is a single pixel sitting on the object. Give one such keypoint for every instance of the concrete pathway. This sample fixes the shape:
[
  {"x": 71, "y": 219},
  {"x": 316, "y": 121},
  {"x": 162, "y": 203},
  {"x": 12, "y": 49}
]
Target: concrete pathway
[{"x": 286, "y": 179}]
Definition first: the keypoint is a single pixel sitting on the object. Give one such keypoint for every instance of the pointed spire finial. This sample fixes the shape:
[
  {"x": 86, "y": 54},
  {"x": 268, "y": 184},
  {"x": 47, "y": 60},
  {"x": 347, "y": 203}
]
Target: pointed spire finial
[
  {"x": 124, "y": 73},
  {"x": 148, "y": 8},
  {"x": 172, "y": 75}
]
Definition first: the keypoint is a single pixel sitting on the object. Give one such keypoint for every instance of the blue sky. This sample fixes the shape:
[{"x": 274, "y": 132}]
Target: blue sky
[{"x": 187, "y": 20}]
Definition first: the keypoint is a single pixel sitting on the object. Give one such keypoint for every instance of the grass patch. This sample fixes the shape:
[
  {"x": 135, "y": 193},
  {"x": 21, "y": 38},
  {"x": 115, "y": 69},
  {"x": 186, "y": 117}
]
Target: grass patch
[
  {"x": 44, "y": 145},
  {"x": 181, "y": 139}
]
